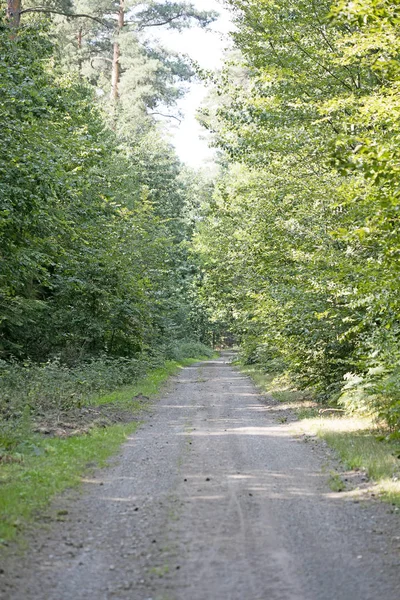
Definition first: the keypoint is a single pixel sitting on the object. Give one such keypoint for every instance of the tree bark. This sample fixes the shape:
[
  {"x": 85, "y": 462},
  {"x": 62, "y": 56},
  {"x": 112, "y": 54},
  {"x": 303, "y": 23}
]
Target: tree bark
[
  {"x": 79, "y": 42},
  {"x": 79, "y": 38},
  {"x": 14, "y": 12},
  {"x": 117, "y": 53}
]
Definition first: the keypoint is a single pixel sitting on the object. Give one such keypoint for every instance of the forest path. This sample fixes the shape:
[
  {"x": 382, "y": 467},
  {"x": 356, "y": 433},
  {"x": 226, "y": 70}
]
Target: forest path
[{"x": 211, "y": 499}]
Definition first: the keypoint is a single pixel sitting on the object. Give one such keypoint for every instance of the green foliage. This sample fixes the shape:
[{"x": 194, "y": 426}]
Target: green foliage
[
  {"x": 189, "y": 349},
  {"x": 28, "y": 389},
  {"x": 56, "y": 387},
  {"x": 300, "y": 245},
  {"x": 94, "y": 222}
]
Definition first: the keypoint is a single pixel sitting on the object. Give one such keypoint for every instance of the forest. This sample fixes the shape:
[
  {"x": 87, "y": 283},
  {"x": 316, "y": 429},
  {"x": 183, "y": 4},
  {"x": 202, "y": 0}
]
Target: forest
[
  {"x": 300, "y": 245},
  {"x": 199, "y": 366},
  {"x": 116, "y": 256},
  {"x": 97, "y": 212}
]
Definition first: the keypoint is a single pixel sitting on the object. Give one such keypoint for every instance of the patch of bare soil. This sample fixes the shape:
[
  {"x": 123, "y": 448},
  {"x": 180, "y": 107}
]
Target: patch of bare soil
[{"x": 79, "y": 421}]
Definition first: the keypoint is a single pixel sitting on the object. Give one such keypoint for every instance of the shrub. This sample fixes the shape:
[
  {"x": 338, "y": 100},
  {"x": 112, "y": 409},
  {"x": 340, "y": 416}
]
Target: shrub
[
  {"x": 189, "y": 349},
  {"x": 55, "y": 387}
]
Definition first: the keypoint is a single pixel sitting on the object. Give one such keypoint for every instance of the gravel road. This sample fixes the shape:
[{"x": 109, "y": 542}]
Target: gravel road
[{"x": 211, "y": 499}]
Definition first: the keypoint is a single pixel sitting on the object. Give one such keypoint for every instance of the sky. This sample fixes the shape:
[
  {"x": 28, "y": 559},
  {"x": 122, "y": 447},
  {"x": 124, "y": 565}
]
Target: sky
[{"x": 207, "y": 48}]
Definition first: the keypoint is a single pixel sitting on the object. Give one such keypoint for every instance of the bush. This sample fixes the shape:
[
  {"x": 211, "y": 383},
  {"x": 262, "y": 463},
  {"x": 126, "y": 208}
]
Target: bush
[
  {"x": 261, "y": 354},
  {"x": 39, "y": 389},
  {"x": 376, "y": 394},
  {"x": 189, "y": 349},
  {"x": 55, "y": 387}
]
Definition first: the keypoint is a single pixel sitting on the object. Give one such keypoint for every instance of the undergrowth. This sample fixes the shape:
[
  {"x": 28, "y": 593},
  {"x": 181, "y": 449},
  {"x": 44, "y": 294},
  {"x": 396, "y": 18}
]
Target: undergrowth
[
  {"x": 37, "y": 389},
  {"x": 34, "y": 467}
]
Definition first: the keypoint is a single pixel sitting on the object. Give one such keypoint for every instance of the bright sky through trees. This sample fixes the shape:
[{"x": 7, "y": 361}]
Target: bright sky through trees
[{"x": 207, "y": 48}]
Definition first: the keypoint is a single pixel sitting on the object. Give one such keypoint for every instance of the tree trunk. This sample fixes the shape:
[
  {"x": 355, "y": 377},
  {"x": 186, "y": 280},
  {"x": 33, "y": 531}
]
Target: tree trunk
[
  {"x": 79, "y": 38},
  {"x": 14, "y": 12},
  {"x": 79, "y": 41},
  {"x": 117, "y": 53}
]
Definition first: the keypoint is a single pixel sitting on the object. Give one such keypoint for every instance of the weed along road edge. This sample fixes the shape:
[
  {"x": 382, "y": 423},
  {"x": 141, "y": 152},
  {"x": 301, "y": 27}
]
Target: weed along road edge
[{"x": 211, "y": 499}]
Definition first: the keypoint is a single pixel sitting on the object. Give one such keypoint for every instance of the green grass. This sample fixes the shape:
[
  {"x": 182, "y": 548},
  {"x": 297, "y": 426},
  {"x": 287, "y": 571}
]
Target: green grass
[
  {"x": 281, "y": 388},
  {"x": 361, "y": 450},
  {"x": 357, "y": 441},
  {"x": 360, "y": 446},
  {"x": 261, "y": 379},
  {"x": 149, "y": 385},
  {"x": 49, "y": 467},
  {"x": 39, "y": 467},
  {"x": 335, "y": 482}
]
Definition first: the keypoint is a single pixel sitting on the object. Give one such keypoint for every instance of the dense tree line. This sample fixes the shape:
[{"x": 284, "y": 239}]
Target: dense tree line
[
  {"x": 298, "y": 250},
  {"x": 300, "y": 246},
  {"x": 96, "y": 209}
]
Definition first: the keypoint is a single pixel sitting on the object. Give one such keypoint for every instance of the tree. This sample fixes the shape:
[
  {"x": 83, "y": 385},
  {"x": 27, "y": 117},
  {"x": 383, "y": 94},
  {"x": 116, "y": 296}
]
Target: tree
[
  {"x": 301, "y": 245},
  {"x": 93, "y": 224}
]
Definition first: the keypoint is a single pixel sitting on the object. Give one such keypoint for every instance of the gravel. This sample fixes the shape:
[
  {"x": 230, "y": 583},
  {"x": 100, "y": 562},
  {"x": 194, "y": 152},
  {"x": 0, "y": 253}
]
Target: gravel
[{"x": 211, "y": 499}]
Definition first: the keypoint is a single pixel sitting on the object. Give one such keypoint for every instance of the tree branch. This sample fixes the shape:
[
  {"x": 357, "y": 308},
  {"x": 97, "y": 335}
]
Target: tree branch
[
  {"x": 153, "y": 23},
  {"x": 166, "y": 116},
  {"x": 43, "y": 9}
]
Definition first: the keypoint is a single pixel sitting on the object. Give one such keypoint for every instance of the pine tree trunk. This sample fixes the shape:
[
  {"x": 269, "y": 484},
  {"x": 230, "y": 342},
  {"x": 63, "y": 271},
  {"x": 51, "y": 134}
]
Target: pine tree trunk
[
  {"x": 79, "y": 38},
  {"x": 14, "y": 12},
  {"x": 79, "y": 41},
  {"x": 117, "y": 53}
]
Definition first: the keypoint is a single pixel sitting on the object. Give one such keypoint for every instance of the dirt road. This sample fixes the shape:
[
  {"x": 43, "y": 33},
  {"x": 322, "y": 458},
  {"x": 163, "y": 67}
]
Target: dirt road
[{"x": 212, "y": 499}]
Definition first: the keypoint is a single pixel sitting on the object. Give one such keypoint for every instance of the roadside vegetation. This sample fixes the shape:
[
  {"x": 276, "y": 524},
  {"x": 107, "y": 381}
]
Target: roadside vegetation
[
  {"x": 98, "y": 302},
  {"x": 43, "y": 453},
  {"x": 300, "y": 246},
  {"x": 362, "y": 443},
  {"x": 35, "y": 390}
]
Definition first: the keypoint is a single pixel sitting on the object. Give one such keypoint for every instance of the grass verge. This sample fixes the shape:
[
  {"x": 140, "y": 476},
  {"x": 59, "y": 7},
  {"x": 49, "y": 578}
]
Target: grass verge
[
  {"x": 39, "y": 467},
  {"x": 147, "y": 386},
  {"x": 360, "y": 443},
  {"x": 47, "y": 467},
  {"x": 361, "y": 446}
]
